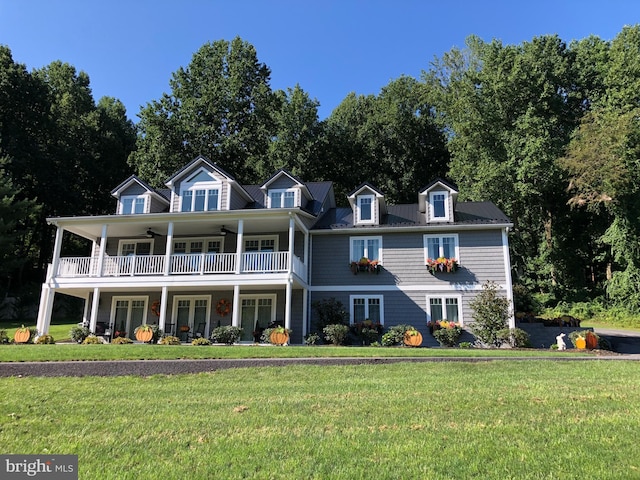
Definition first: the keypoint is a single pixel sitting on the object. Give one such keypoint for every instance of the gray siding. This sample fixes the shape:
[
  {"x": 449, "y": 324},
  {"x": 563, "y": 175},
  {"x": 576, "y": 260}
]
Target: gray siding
[
  {"x": 403, "y": 260},
  {"x": 237, "y": 201},
  {"x": 157, "y": 206}
]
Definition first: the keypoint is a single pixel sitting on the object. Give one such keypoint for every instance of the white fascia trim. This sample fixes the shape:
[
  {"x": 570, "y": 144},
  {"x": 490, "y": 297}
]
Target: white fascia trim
[
  {"x": 450, "y": 227},
  {"x": 397, "y": 288}
]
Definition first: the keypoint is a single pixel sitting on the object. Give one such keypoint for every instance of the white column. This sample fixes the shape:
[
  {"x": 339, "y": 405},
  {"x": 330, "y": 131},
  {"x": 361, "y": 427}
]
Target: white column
[
  {"x": 94, "y": 310},
  {"x": 239, "y": 246},
  {"x": 103, "y": 249},
  {"x": 291, "y": 241},
  {"x": 507, "y": 276},
  {"x": 57, "y": 247},
  {"x": 235, "y": 316},
  {"x": 85, "y": 311},
  {"x": 305, "y": 316},
  {"x": 168, "y": 249},
  {"x": 163, "y": 307},
  {"x": 287, "y": 305},
  {"x": 45, "y": 310}
]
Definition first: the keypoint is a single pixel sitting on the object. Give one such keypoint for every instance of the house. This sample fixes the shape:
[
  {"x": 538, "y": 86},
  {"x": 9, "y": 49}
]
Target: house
[{"x": 209, "y": 251}]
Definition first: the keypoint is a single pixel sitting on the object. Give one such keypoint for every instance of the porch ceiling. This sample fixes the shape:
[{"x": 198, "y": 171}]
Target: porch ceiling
[{"x": 194, "y": 224}]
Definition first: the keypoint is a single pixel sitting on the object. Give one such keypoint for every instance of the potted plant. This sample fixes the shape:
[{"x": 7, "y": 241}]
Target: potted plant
[
  {"x": 144, "y": 333},
  {"x": 412, "y": 338},
  {"x": 22, "y": 335},
  {"x": 279, "y": 335}
]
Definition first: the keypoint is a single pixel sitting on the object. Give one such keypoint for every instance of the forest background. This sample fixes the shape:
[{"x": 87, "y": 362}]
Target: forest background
[{"x": 547, "y": 130}]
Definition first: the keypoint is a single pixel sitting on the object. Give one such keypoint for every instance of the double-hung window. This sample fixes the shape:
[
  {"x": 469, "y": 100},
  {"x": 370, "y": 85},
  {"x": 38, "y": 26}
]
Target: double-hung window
[
  {"x": 366, "y": 307},
  {"x": 365, "y": 209},
  {"x": 132, "y": 204},
  {"x": 282, "y": 198},
  {"x": 368, "y": 247},
  {"x": 438, "y": 206},
  {"x": 444, "y": 308},
  {"x": 439, "y": 246}
]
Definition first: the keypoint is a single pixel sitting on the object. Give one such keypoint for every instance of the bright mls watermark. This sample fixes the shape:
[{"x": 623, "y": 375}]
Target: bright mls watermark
[{"x": 50, "y": 467}]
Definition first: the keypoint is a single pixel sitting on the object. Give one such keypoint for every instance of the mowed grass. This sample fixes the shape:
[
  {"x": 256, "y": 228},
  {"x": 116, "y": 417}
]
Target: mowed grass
[
  {"x": 139, "y": 351},
  {"x": 489, "y": 420}
]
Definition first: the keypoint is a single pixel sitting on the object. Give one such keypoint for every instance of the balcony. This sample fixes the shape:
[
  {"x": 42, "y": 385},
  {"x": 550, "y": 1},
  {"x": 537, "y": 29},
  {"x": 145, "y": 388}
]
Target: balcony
[{"x": 180, "y": 264}]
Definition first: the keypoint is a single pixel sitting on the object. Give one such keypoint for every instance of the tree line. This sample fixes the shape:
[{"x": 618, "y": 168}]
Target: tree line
[{"x": 549, "y": 131}]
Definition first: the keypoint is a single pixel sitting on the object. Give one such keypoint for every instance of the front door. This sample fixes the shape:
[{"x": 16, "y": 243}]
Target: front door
[
  {"x": 257, "y": 312},
  {"x": 190, "y": 316},
  {"x": 128, "y": 313}
]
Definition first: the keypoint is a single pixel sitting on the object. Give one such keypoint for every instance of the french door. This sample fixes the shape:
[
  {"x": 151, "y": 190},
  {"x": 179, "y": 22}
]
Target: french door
[
  {"x": 128, "y": 313},
  {"x": 256, "y": 311},
  {"x": 191, "y": 314}
]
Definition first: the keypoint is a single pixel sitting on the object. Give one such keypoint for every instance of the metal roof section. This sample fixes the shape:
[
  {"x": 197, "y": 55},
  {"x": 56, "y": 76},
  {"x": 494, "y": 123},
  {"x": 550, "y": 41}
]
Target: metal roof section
[{"x": 408, "y": 215}]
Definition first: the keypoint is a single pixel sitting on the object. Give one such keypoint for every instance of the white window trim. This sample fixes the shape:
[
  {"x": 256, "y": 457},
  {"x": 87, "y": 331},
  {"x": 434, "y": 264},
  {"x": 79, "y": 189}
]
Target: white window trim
[
  {"x": 447, "y": 214},
  {"x": 440, "y": 236},
  {"x": 133, "y": 205},
  {"x": 365, "y": 238},
  {"x": 204, "y": 241},
  {"x": 136, "y": 241},
  {"x": 131, "y": 298},
  {"x": 296, "y": 196},
  {"x": 444, "y": 298},
  {"x": 208, "y": 185},
  {"x": 366, "y": 303},
  {"x": 374, "y": 210},
  {"x": 193, "y": 298},
  {"x": 275, "y": 238}
]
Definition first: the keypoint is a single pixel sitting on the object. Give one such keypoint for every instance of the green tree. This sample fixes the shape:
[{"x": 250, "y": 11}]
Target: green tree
[
  {"x": 490, "y": 314},
  {"x": 220, "y": 106}
]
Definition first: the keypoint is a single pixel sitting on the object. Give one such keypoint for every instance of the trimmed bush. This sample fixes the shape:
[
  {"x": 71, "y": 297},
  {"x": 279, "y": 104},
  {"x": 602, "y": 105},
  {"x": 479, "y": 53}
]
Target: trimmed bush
[
  {"x": 336, "y": 334},
  {"x": 78, "y": 334},
  {"x": 227, "y": 334},
  {"x": 200, "y": 341},
  {"x": 45, "y": 340},
  {"x": 514, "y": 337},
  {"x": 121, "y": 341},
  {"x": 169, "y": 340}
]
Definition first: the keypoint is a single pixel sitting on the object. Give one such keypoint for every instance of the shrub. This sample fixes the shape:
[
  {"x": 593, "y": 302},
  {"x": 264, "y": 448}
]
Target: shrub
[
  {"x": 395, "y": 335},
  {"x": 448, "y": 336},
  {"x": 312, "y": 339},
  {"x": 92, "y": 340},
  {"x": 4, "y": 338},
  {"x": 491, "y": 314},
  {"x": 367, "y": 331},
  {"x": 200, "y": 341},
  {"x": 45, "y": 339},
  {"x": 336, "y": 334},
  {"x": 329, "y": 311},
  {"x": 78, "y": 333},
  {"x": 121, "y": 341},
  {"x": 227, "y": 334},
  {"x": 465, "y": 345},
  {"x": 514, "y": 337},
  {"x": 169, "y": 340}
]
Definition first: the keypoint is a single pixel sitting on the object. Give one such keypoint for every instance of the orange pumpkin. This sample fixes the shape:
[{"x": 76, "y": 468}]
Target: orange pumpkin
[
  {"x": 279, "y": 337},
  {"x": 22, "y": 335},
  {"x": 412, "y": 338},
  {"x": 144, "y": 334},
  {"x": 581, "y": 343},
  {"x": 591, "y": 340}
]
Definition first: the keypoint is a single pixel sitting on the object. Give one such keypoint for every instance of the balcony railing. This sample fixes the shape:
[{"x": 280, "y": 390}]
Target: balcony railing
[{"x": 186, "y": 264}]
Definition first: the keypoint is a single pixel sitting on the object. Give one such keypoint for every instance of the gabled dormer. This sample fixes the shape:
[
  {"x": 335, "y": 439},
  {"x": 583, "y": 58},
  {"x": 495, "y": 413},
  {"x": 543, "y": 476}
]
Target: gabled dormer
[
  {"x": 368, "y": 205},
  {"x": 134, "y": 196},
  {"x": 436, "y": 201},
  {"x": 202, "y": 186},
  {"x": 284, "y": 190}
]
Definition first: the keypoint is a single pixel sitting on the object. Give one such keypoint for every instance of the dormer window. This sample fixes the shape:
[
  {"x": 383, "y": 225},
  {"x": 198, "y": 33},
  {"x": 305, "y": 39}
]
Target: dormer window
[
  {"x": 364, "y": 209},
  {"x": 132, "y": 204},
  {"x": 438, "y": 206},
  {"x": 200, "y": 193},
  {"x": 282, "y": 198}
]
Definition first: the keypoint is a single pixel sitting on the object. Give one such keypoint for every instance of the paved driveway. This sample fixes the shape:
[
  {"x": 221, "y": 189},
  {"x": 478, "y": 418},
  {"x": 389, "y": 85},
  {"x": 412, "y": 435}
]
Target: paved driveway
[{"x": 622, "y": 341}]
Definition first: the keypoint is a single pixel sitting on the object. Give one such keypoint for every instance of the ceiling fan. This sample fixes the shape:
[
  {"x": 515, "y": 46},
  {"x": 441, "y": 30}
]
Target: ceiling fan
[
  {"x": 225, "y": 231},
  {"x": 151, "y": 234}
]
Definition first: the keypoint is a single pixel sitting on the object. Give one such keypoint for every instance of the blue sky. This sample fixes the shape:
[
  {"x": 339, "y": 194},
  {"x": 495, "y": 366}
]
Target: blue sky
[{"x": 130, "y": 48}]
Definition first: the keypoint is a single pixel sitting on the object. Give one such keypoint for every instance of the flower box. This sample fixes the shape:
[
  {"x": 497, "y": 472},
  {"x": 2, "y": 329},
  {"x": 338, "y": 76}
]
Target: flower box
[
  {"x": 365, "y": 265},
  {"x": 442, "y": 265}
]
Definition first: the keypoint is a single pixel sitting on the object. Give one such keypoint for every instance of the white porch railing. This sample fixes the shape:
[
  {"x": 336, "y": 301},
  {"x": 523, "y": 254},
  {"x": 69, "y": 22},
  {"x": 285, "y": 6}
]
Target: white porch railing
[
  {"x": 194, "y": 263},
  {"x": 265, "y": 262}
]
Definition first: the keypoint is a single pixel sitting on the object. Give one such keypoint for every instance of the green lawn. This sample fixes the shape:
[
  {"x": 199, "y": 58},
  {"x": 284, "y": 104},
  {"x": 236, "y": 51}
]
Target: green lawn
[{"x": 490, "y": 420}]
